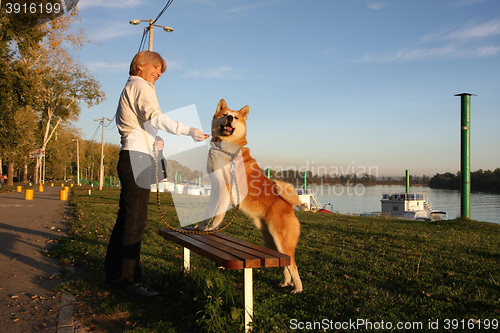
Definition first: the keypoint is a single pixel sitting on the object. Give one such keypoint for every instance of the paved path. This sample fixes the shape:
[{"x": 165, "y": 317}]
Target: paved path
[{"x": 27, "y": 276}]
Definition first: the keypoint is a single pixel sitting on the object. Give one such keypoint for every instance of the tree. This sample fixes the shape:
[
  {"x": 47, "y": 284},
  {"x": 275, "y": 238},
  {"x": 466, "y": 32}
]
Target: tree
[
  {"x": 17, "y": 32},
  {"x": 40, "y": 72}
]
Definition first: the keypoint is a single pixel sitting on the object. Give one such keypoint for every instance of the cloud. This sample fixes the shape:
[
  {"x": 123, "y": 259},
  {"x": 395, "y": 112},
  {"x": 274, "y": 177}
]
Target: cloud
[
  {"x": 114, "y": 30},
  {"x": 474, "y": 40},
  {"x": 459, "y": 3},
  {"x": 102, "y": 66},
  {"x": 174, "y": 64},
  {"x": 219, "y": 72},
  {"x": 444, "y": 52},
  {"x": 84, "y": 4},
  {"x": 491, "y": 28},
  {"x": 252, "y": 6},
  {"x": 375, "y": 5}
]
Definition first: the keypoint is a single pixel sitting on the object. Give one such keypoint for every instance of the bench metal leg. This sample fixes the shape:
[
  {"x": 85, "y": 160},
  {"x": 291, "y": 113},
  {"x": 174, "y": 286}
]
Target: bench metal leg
[
  {"x": 248, "y": 297},
  {"x": 187, "y": 257}
]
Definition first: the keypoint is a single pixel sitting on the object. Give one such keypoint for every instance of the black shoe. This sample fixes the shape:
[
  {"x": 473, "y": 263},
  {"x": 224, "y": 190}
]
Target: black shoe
[
  {"x": 113, "y": 283},
  {"x": 141, "y": 291}
]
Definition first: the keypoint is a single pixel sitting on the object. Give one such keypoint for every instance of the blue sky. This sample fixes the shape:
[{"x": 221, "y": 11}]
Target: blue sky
[{"x": 331, "y": 84}]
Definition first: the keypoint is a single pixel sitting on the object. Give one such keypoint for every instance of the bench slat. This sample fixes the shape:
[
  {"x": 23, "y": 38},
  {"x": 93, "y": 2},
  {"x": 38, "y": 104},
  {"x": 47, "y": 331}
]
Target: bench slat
[
  {"x": 249, "y": 260},
  {"x": 221, "y": 258},
  {"x": 266, "y": 259},
  {"x": 284, "y": 259},
  {"x": 227, "y": 251}
]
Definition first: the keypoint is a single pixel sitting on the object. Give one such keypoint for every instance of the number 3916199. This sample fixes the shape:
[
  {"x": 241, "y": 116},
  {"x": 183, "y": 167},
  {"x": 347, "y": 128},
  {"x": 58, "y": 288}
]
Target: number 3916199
[{"x": 32, "y": 8}]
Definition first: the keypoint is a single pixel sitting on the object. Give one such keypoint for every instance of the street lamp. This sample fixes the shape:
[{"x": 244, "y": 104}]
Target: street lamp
[
  {"x": 77, "y": 162},
  {"x": 151, "y": 25}
]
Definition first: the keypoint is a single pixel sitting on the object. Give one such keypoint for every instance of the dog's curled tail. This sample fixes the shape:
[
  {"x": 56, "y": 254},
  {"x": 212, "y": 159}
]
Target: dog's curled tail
[{"x": 287, "y": 192}]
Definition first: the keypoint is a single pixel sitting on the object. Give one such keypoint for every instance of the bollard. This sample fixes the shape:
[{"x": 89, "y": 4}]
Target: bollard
[
  {"x": 19, "y": 189},
  {"x": 62, "y": 184},
  {"x": 63, "y": 195},
  {"x": 28, "y": 195},
  {"x": 51, "y": 184},
  {"x": 40, "y": 188}
]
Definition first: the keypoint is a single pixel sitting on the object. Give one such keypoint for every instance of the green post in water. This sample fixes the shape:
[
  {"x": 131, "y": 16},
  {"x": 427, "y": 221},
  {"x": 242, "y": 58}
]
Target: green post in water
[{"x": 407, "y": 181}]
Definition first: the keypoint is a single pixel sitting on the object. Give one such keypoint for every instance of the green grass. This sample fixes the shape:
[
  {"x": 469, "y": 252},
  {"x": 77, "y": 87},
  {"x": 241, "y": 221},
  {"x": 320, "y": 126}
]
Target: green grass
[{"x": 352, "y": 268}]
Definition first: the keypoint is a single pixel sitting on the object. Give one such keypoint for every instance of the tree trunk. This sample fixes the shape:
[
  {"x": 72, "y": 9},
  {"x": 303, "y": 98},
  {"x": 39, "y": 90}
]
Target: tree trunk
[
  {"x": 25, "y": 175},
  {"x": 37, "y": 166},
  {"x": 10, "y": 173}
]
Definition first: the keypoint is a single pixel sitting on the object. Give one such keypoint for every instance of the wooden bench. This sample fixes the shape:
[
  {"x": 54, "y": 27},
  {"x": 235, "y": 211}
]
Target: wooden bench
[{"x": 231, "y": 253}]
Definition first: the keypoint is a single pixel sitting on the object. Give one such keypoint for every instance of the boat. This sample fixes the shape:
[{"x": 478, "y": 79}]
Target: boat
[
  {"x": 308, "y": 200},
  {"x": 410, "y": 206},
  {"x": 183, "y": 188},
  {"x": 327, "y": 208}
]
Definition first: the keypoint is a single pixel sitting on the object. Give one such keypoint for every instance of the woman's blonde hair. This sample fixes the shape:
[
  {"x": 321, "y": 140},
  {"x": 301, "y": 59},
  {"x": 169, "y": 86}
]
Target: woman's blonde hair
[{"x": 146, "y": 57}]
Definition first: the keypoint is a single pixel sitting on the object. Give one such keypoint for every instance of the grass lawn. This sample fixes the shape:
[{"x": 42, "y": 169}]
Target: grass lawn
[{"x": 443, "y": 275}]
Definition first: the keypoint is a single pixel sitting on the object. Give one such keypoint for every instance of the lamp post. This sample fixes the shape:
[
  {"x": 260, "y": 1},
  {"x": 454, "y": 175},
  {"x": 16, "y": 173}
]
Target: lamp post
[
  {"x": 150, "y": 28},
  {"x": 77, "y": 162},
  {"x": 101, "y": 169}
]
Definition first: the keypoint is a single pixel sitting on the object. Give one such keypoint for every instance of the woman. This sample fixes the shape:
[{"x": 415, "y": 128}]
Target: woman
[{"x": 138, "y": 119}]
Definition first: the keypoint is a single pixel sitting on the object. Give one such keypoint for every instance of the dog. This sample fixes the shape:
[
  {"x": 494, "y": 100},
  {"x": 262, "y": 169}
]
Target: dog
[{"x": 269, "y": 204}]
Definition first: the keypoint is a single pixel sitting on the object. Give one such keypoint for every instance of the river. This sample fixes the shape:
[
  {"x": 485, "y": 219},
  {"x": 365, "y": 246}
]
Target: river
[{"x": 365, "y": 199}]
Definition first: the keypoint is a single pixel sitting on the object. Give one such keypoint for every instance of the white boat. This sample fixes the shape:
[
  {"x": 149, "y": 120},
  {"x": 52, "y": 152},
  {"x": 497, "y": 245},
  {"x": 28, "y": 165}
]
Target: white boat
[
  {"x": 163, "y": 186},
  {"x": 410, "y": 206},
  {"x": 308, "y": 200},
  {"x": 194, "y": 190},
  {"x": 184, "y": 188}
]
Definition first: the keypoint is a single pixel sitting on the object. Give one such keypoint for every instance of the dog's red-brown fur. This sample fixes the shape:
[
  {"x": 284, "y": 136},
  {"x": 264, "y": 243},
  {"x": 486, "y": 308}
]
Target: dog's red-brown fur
[{"x": 270, "y": 204}]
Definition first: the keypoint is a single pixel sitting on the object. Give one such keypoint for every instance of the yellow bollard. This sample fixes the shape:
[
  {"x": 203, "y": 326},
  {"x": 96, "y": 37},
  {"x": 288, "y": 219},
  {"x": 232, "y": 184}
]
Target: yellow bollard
[
  {"x": 62, "y": 184},
  {"x": 19, "y": 189},
  {"x": 28, "y": 195},
  {"x": 40, "y": 188},
  {"x": 63, "y": 195},
  {"x": 51, "y": 184},
  {"x": 71, "y": 185}
]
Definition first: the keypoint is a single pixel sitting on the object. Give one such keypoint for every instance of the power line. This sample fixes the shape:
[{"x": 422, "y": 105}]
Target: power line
[
  {"x": 146, "y": 30},
  {"x": 144, "y": 34},
  {"x": 110, "y": 123},
  {"x": 169, "y": 2},
  {"x": 95, "y": 133}
]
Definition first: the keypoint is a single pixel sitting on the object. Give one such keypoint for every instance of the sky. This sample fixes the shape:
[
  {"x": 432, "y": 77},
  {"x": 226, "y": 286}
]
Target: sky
[{"x": 333, "y": 86}]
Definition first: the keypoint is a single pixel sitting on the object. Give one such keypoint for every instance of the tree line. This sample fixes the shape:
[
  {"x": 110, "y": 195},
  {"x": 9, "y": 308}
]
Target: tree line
[
  {"x": 484, "y": 181},
  {"x": 296, "y": 177},
  {"x": 42, "y": 89}
]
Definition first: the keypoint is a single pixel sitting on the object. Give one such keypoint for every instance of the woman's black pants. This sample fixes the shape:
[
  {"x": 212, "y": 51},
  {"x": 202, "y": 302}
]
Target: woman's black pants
[{"x": 122, "y": 263}]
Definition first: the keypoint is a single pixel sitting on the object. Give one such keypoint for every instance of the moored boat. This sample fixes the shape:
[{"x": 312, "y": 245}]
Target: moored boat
[{"x": 410, "y": 206}]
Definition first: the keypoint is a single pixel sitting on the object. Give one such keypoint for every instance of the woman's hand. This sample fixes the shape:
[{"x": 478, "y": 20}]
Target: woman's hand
[
  {"x": 159, "y": 143},
  {"x": 197, "y": 135}
]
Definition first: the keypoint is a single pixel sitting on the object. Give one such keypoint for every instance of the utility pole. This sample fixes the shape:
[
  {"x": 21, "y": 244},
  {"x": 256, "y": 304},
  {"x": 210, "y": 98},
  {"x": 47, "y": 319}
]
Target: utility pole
[
  {"x": 150, "y": 46},
  {"x": 150, "y": 30},
  {"x": 101, "y": 171}
]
